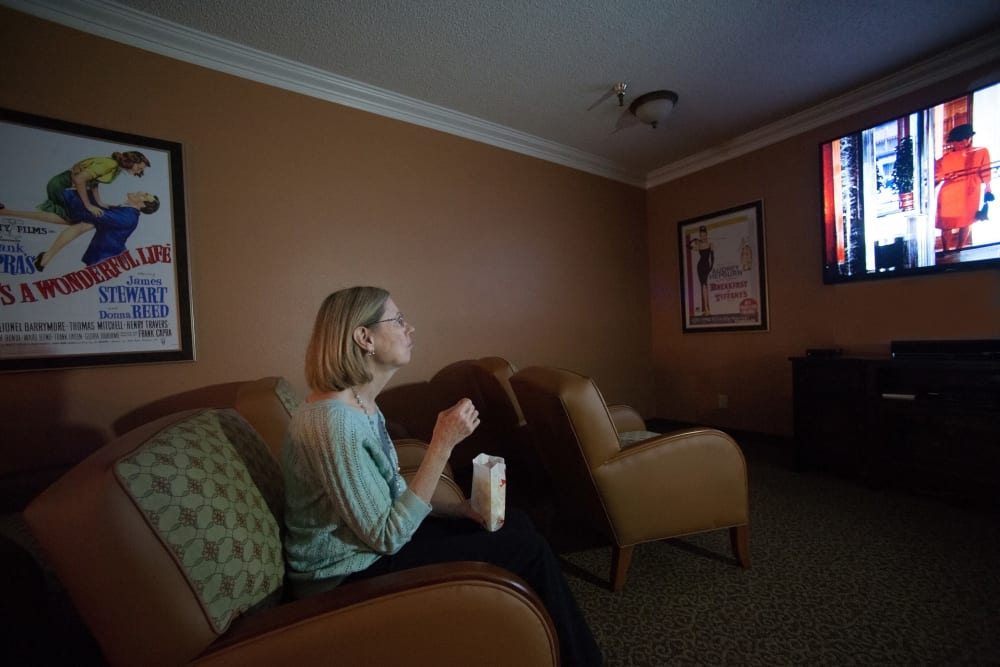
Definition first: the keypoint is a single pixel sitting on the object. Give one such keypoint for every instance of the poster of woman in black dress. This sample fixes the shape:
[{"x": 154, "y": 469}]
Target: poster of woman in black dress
[
  {"x": 723, "y": 285},
  {"x": 706, "y": 260}
]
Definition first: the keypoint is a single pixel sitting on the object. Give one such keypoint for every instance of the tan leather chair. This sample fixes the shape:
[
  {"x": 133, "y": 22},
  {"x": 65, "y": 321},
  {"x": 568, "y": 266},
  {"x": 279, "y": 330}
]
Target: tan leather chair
[
  {"x": 268, "y": 403},
  {"x": 168, "y": 541},
  {"x": 650, "y": 488},
  {"x": 486, "y": 382},
  {"x": 412, "y": 409}
]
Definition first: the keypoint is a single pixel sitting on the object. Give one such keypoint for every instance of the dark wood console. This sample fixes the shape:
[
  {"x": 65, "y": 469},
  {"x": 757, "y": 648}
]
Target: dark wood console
[{"x": 930, "y": 426}]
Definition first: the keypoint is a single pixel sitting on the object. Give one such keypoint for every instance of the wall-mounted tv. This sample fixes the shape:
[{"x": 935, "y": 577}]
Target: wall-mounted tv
[{"x": 913, "y": 195}]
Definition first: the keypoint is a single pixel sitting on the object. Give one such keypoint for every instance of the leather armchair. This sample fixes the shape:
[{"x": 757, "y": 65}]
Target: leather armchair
[
  {"x": 268, "y": 403},
  {"x": 412, "y": 410},
  {"x": 652, "y": 487},
  {"x": 168, "y": 543}
]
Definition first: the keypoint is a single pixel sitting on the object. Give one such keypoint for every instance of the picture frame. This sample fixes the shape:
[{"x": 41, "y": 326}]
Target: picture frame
[
  {"x": 722, "y": 267},
  {"x": 97, "y": 273}
]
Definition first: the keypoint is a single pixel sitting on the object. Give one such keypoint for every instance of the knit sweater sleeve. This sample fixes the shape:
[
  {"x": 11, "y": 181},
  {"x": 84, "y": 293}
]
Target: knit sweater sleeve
[{"x": 345, "y": 458}]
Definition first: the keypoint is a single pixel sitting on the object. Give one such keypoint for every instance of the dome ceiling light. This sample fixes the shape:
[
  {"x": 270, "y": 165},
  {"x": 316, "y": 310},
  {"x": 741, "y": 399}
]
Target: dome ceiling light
[
  {"x": 650, "y": 108},
  {"x": 653, "y": 108}
]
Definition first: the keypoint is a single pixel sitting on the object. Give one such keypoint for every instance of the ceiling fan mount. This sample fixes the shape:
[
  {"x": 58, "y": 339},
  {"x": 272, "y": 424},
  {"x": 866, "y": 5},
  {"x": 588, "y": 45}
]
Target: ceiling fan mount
[{"x": 619, "y": 89}]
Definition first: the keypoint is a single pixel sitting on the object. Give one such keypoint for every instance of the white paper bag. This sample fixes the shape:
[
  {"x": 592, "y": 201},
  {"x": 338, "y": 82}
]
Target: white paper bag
[{"x": 489, "y": 489}]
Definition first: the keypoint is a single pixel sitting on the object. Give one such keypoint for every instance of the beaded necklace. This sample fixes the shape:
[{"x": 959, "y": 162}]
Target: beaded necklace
[{"x": 383, "y": 436}]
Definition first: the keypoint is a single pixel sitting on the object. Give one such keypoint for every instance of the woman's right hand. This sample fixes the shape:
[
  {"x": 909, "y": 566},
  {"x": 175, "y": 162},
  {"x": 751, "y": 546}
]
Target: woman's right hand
[
  {"x": 455, "y": 424},
  {"x": 452, "y": 427}
]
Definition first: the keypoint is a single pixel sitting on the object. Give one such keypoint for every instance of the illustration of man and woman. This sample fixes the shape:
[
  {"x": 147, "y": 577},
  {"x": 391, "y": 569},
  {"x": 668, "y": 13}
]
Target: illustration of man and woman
[
  {"x": 706, "y": 260},
  {"x": 74, "y": 199},
  {"x": 113, "y": 227},
  {"x": 964, "y": 171}
]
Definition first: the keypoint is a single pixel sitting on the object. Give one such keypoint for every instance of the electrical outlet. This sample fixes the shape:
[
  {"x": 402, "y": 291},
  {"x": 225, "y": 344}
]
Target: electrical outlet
[{"x": 723, "y": 401}]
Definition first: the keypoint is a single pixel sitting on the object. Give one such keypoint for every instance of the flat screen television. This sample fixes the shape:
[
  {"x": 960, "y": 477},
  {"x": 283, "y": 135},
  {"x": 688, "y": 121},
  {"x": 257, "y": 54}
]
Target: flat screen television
[{"x": 912, "y": 195}]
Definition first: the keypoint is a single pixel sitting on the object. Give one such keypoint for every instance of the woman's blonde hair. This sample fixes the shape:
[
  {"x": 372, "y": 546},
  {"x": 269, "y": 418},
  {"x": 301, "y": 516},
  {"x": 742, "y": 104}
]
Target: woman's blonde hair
[{"x": 334, "y": 361}]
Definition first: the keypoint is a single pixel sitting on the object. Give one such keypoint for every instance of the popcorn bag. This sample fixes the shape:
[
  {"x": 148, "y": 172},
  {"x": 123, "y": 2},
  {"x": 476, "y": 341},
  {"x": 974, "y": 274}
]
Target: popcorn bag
[{"x": 489, "y": 489}]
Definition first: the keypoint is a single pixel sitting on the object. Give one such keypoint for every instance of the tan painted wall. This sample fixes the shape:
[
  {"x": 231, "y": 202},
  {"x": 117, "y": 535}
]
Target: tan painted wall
[
  {"x": 290, "y": 197},
  {"x": 489, "y": 252},
  {"x": 752, "y": 369}
]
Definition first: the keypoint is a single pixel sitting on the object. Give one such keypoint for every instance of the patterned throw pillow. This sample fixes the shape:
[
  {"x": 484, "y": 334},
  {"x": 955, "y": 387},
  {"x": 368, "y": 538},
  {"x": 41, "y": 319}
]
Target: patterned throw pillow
[
  {"x": 195, "y": 490},
  {"x": 287, "y": 395},
  {"x": 263, "y": 468}
]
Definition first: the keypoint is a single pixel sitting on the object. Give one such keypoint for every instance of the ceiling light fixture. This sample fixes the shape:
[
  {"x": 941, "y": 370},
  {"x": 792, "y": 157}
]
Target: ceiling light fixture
[{"x": 653, "y": 108}]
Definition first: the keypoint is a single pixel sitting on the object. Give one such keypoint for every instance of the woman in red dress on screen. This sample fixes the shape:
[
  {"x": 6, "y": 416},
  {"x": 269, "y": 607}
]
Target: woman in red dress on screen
[{"x": 964, "y": 170}]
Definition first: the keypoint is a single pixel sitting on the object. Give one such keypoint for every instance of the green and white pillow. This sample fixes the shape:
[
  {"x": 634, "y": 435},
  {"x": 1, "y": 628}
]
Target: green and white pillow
[{"x": 201, "y": 484}]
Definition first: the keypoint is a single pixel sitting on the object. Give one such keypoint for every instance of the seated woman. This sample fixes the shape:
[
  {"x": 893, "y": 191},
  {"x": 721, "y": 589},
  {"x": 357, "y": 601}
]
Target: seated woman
[{"x": 349, "y": 512}]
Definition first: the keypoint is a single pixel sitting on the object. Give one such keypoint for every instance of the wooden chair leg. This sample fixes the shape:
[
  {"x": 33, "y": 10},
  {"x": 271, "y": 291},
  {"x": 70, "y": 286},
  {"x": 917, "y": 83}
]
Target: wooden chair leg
[
  {"x": 739, "y": 537},
  {"x": 620, "y": 560}
]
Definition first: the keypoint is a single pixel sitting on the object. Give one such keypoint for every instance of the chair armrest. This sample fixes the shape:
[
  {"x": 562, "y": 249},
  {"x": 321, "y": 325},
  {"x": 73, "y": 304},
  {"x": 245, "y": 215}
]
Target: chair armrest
[
  {"x": 699, "y": 469},
  {"x": 626, "y": 418},
  {"x": 446, "y": 494},
  {"x": 410, "y": 453},
  {"x": 460, "y": 613}
]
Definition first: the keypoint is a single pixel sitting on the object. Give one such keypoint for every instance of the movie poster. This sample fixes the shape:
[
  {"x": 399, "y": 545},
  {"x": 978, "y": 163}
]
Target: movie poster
[
  {"x": 93, "y": 256},
  {"x": 723, "y": 282}
]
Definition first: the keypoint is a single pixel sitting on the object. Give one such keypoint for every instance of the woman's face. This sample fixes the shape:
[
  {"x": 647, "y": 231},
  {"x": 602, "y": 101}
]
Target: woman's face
[
  {"x": 137, "y": 169},
  {"x": 392, "y": 337}
]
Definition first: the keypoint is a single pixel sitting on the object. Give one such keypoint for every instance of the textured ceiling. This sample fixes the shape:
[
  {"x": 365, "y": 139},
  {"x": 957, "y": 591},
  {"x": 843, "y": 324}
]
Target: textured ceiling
[{"x": 535, "y": 66}]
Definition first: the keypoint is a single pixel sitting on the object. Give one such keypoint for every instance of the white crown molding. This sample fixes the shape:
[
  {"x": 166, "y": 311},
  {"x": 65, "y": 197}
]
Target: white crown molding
[
  {"x": 128, "y": 26},
  {"x": 907, "y": 80}
]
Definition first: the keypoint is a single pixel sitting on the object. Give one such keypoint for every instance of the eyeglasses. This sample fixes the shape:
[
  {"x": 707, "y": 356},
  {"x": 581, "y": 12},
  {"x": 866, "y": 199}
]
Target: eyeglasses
[{"x": 398, "y": 320}]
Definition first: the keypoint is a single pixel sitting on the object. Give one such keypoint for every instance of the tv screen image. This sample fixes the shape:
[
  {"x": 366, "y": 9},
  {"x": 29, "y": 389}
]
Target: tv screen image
[{"x": 913, "y": 195}]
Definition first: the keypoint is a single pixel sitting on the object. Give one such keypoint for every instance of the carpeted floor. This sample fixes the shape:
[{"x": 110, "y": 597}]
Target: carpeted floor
[{"x": 842, "y": 575}]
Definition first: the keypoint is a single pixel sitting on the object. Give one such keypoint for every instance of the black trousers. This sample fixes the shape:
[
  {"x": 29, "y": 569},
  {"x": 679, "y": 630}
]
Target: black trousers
[{"x": 517, "y": 547}]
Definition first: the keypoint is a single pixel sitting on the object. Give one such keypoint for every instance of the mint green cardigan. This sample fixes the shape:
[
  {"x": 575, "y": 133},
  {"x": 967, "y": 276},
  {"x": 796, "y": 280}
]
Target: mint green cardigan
[{"x": 345, "y": 502}]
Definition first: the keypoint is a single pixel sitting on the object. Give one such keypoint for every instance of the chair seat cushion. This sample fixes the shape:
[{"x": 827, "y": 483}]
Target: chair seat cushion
[{"x": 192, "y": 486}]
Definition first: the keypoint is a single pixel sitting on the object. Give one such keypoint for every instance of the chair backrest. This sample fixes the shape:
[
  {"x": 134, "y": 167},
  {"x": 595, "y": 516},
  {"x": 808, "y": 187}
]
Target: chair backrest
[
  {"x": 166, "y": 535},
  {"x": 486, "y": 382},
  {"x": 268, "y": 404},
  {"x": 572, "y": 432},
  {"x": 413, "y": 408},
  {"x": 410, "y": 410}
]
